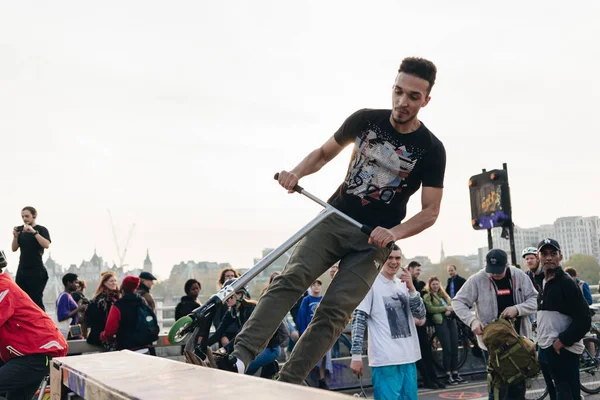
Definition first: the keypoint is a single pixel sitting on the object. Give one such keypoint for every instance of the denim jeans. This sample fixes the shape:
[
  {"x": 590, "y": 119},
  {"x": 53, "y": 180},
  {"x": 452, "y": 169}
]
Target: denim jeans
[{"x": 265, "y": 358}]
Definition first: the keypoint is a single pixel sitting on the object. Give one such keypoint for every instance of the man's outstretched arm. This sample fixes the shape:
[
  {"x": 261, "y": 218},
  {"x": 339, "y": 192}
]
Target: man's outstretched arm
[{"x": 313, "y": 162}]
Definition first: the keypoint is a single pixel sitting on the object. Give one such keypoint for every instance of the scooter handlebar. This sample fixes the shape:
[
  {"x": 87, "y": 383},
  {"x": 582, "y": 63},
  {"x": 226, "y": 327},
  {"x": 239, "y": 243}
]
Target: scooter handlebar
[
  {"x": 367, "y": 230},
  {"x": 296, "y": 188}
]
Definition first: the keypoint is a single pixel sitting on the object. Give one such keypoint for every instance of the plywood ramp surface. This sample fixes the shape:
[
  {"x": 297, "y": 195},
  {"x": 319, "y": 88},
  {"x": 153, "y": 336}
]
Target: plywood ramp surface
[{"x": 129, "y": 375}]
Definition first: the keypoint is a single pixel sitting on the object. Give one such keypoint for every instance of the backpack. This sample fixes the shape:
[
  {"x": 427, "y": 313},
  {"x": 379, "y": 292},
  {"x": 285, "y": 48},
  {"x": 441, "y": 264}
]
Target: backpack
[
  {"x": 512, "y": 358},
  {"x": 146, "y": 327}
]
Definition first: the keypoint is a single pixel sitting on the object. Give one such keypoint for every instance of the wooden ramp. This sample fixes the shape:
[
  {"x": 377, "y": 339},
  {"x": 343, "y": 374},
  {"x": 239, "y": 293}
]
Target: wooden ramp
[{"x": 128, "y": 375}]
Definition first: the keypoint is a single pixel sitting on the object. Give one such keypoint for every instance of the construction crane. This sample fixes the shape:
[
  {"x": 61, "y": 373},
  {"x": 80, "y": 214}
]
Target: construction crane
[{"x": 114, "y": 231}]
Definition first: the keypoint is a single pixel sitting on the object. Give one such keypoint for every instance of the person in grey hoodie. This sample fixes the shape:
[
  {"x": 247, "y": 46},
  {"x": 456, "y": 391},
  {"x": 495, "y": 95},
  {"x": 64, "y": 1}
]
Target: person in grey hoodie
[{"x": 498, "y": 290}]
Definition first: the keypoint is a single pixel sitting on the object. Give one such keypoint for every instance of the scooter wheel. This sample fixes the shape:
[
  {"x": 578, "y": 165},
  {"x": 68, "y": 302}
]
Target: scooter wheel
[{"x": 175, "y": 336}]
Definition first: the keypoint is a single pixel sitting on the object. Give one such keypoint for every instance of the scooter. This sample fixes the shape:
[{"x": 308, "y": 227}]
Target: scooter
[{"x": 198, "y": 322}]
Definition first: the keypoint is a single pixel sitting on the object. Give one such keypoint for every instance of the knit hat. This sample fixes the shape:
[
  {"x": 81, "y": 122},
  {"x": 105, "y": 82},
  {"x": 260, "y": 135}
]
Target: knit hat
[
  {"x": 3, "y": 262},
  {"x": 130, "y": 283}
]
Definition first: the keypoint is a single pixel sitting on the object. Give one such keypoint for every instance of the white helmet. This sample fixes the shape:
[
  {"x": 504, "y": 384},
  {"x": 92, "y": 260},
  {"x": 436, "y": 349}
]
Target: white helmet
[{"x": 529, "y": 250}]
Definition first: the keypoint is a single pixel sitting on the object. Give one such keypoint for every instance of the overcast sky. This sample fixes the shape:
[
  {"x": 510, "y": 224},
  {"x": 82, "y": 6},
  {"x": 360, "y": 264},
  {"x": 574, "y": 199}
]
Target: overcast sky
[{"x": 175, "y": 115}]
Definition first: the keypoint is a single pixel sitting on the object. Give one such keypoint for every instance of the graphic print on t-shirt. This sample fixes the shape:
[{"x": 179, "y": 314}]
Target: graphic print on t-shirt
[
  {"x": 396, "y": 309},
  {"x": 379, "y": 169}
]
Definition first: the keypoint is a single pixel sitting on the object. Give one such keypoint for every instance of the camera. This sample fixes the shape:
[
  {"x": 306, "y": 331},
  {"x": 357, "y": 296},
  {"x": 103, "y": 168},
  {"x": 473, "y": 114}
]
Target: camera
[{"x": 75, "y": 330}]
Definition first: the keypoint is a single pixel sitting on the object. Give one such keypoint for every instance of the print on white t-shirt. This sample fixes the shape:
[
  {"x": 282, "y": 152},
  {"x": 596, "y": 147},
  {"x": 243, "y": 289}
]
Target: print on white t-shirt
[{"x": 396, "y": 307}]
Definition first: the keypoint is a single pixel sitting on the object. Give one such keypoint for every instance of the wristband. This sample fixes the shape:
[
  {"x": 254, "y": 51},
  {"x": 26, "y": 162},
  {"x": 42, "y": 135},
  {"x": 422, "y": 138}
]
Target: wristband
[{"x": 35, "y": 233}]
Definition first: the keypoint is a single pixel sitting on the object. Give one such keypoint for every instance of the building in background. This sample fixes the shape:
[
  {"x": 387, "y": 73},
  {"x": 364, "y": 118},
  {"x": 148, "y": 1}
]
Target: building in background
[{"x": 576, "y": 235}]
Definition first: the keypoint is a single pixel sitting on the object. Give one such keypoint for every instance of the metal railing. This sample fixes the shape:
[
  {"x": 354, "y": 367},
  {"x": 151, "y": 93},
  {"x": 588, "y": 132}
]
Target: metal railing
[{"x": 160, "y": 311}]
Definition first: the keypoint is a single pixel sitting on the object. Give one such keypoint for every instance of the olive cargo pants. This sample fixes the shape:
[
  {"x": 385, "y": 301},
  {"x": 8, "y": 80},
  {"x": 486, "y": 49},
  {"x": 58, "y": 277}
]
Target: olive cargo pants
[{"x": 332, "y": 240}]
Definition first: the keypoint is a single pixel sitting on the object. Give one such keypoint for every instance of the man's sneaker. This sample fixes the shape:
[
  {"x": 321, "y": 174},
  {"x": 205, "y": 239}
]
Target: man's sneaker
[
  {"x": 228, "y": 362},
  {"x": 441, "y": 384},
  {"x": 323, "y": 384},
  {"x": 431, "y": 385},
  {"x": 458, "y": 379},
  {"x": 450, "y": 381}
]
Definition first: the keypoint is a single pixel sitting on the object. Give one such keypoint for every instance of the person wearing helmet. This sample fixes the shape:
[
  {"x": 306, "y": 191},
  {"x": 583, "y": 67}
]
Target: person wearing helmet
[
  {"x": 534, "y": 269},
  {"x": 239, "y": 309}
]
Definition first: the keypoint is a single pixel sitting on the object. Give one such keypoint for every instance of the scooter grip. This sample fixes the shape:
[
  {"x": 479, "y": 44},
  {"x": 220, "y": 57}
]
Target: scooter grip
[
  {"x": 367, "y": 230},
  {"x": 296, "y": 188}
]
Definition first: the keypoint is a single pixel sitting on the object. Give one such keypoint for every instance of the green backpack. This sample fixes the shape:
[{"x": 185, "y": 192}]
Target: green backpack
[{"x": 512, "y": 358}]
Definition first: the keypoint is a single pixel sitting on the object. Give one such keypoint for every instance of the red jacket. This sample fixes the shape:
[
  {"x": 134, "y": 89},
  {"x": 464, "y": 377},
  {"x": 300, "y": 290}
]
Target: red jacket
[
  {"x": 121, "y": 322},
  {"x": 24, "y": 328}
]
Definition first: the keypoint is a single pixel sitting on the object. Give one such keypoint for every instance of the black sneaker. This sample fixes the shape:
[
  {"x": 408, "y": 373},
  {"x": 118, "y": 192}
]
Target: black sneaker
[
  {"x": 450, "y": 381},
  {"x": 458, "y": 379},
  {"x": 226, "y": 362},
  {"x": 431, "y": 385},
  {"x": 323, "y": 384},
  {"x": 441, "y": 384}
]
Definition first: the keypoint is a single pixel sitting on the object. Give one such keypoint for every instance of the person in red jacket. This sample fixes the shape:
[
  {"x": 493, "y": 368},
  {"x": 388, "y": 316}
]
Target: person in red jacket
[
  {"x": 28, "y": 339},
  {"x": 122, "y": 320}
]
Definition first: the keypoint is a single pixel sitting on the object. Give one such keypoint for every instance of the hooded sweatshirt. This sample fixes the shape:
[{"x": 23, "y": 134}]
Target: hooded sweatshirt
[{"x": 479, "y": 292}]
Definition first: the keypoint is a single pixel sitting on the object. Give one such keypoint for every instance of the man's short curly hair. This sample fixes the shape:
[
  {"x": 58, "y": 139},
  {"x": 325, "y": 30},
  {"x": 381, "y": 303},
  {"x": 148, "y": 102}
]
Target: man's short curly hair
[{"x": 419, "y": 67}]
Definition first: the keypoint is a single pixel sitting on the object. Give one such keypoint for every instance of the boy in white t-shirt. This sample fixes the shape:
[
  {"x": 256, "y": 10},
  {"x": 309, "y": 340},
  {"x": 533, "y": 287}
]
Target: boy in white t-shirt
[{"x": 392, "y": 308}]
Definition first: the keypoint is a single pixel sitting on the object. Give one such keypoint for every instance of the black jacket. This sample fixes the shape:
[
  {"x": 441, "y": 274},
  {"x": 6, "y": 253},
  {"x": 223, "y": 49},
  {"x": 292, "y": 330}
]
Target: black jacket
[
  {"x": 185, "y": 306},
  {"x": 128, "y": 305},
  {"x": 459, "y": 281},
  {"x": 96, "y": 315},
  {"x": 563, "y": 295},
  {"x": 232, "y": 318},
  {"x": 220, "y": 313},
  {"x": 420, "y": 287}
]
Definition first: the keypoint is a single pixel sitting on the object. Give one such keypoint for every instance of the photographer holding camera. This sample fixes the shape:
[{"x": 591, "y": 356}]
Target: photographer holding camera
[{"x": 32, "y": 239}]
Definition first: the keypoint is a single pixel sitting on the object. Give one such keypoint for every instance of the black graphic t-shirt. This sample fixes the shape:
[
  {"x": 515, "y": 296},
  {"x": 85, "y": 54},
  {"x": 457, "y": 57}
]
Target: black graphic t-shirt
[
  {"x": 386, "y": 168},
  {"x": 31, "y": 251}
]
